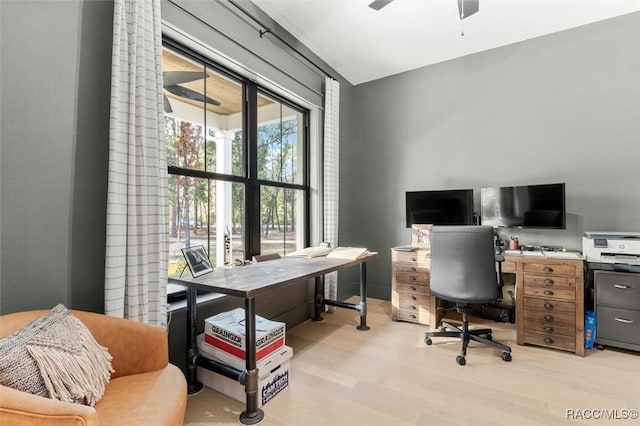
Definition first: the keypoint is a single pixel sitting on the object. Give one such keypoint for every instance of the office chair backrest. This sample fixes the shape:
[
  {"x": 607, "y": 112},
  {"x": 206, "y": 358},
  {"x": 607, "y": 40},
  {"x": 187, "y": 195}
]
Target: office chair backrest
[{"x": 463, "y": 265}]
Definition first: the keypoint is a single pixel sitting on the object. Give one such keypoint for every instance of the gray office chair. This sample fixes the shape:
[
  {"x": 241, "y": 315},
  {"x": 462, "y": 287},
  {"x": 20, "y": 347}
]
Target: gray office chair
[{"x": 463, "y": 271}]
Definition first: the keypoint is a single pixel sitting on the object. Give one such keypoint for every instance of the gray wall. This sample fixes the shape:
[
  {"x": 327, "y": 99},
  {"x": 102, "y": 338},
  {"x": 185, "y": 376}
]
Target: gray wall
[
  {"x": 560, "y": 108},
  {"x": 551, "y": 109},
  {"x": 55, "y": 85},
  {"x": 55, "y": 79}
]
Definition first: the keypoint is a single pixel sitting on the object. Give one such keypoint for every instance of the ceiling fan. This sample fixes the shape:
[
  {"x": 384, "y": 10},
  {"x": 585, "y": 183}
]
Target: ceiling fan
[
  {"x": 466, "y": 8},
  {"x": 172, "y": 80}
]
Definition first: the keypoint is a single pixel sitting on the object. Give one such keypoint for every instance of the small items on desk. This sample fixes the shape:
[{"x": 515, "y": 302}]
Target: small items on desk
[
  {"x": 337, "y": 253},
  {"x": 513, "y": 243}
]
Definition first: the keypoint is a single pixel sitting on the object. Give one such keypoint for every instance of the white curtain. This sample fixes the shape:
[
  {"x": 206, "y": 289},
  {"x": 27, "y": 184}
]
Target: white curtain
[
  {"x": 136, "y": 252},
  {"x": 331, "y": 175}
]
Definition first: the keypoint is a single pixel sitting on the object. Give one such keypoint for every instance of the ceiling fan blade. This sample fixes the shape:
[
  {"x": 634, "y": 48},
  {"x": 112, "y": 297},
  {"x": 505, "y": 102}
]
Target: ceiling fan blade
[
  {"x": 183, "y": 92},
  {"x": 379, "y": 4},
  {"x": 167, "y": 104},
  {"x": 180, "y": 77},
  {"x": 468, "y": 7}
]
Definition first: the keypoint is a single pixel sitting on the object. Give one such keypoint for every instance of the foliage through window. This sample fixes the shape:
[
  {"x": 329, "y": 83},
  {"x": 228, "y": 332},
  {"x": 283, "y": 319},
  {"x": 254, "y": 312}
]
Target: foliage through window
[{"x": 238, "y": 180}]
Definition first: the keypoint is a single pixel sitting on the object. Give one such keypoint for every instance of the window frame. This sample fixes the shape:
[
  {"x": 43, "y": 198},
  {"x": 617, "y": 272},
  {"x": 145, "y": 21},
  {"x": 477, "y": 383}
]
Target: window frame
[{"x": 252, "y": 185}]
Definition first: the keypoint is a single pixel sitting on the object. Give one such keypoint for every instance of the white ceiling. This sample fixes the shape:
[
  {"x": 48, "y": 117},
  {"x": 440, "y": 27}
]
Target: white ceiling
[{"x": 363, "y": 44}]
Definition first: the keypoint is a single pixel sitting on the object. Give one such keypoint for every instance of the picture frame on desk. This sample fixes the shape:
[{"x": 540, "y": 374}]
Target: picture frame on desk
[
  {"x": 421, "y": 236},
  {"x": 197, "y": 260}
]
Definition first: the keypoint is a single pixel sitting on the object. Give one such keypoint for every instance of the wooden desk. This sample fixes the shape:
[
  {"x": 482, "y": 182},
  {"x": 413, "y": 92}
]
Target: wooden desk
[
  {"x": 549, "y": 296},
  {"x": 549, "y": 301},
  {"x": 411, "y": 298},
  {"x": 252, "y": 281}
]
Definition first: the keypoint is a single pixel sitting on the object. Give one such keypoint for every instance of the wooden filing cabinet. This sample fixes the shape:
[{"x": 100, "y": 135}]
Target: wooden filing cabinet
[
  {"x": 411, "y": 299},
  {"x": 550, "y": 302}
]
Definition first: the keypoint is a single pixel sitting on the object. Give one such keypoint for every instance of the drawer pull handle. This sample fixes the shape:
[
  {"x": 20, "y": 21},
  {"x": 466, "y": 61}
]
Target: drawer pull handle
[
  {"x": 412, "y": 288},
  {"x": 548, "y": 269},
  {"x": 548, "y": 293},
  {"x": 548, "y": 340},
  {"x": 413, "y": 259},
  {"x": 624, "y": 320},
  {"x": 414, "y": 298},
  {"x": 548, "y": 329},
  {"x": 548, "y": 305},
  {"x": 413, "y": 316},
  {"x": 548, "y": 318},
  {"x": 622, "y": 286},
  {"x": 412, "y": 269},
  {"x": 412, "y": 278},
  {"x": 412, "y": 307},
  {"x": 548, "y": 281}
]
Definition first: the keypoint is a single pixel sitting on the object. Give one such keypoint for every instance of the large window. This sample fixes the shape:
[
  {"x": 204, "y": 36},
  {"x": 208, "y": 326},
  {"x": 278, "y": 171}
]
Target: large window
[{"x": 238, "y": 166}]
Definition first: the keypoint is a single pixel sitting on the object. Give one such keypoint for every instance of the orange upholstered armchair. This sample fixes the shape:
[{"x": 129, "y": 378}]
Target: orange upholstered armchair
[{"x": 144, "y": 389}]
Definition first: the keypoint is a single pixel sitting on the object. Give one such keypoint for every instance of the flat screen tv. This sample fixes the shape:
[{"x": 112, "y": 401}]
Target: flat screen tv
[
  {"x": 445, "y": 207},
  {"x": 527, "y": 206}
]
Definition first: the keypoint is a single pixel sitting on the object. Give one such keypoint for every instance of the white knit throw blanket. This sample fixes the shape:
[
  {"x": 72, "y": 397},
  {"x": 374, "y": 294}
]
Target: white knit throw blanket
[{"x": 72, "y": 365}]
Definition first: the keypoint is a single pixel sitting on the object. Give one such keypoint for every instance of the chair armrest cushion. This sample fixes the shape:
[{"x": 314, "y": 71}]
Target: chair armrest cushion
[
  {"x": 20, "y": 408},
  {"x": 135, "y": 347}
]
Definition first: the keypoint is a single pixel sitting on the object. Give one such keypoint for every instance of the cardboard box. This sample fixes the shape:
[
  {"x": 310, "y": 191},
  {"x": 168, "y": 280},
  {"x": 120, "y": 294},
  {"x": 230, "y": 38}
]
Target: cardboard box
[
  {"x": 269, "y": 362},
  {"x": 226, "y": 332},
  {"x": 273, "y": 375}
]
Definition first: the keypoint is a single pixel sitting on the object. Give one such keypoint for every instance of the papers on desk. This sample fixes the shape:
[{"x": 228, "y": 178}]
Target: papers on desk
[
  {"x": 535, "y": 253},
  {"x": 312, "y": 252},
  {"x": 406, "y": 248},
  {"x": 563, "y": 255},
  {"x": 337, "y": 253},
  {"x": 546, "y": 254},
  {"x": 348, "y": 253}
]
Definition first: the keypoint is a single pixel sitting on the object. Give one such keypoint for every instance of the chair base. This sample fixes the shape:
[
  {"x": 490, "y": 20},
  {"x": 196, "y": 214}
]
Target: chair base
[{"x": 480, "y": 335}]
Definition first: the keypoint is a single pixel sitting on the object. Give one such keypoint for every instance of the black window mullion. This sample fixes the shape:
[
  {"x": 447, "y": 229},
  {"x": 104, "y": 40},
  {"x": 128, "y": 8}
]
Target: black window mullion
[
  {"x": 307, "y": 180},
  {"x": 252, "y": 201}
]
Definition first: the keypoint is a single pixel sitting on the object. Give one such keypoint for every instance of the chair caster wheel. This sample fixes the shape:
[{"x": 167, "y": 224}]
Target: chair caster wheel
[
  {"x": 460, "y": 360},
  {"x": 506, "y": 356},
  {"x": 427, "y": 341}
]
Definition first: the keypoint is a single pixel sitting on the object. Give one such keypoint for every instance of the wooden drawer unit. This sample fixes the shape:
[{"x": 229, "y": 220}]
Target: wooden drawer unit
[
  {"x": 413, "y": 288},
  {"x": 549, "y": 306},
  {"x": 410, "y": 277},
  {"x": 415, "y": 257},
  {"x": 550, "y": 303},
  {"x": 552, "y": 287},
  {"x": 548, "y": 267},
  {"x": 508, "y": 267},
  {"x": 562, "y": 323},
  {"x": 565, "y": 343},
  {"x": 410, "y": 297}
]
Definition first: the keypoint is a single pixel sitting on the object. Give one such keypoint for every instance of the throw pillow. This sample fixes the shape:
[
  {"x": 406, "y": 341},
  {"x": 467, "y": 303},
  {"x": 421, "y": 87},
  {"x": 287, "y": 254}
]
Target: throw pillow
[{"x": 56, "y": 356}]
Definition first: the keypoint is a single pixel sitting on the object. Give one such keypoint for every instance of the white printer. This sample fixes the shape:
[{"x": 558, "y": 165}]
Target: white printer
[
  {"x": 612, "y": 247},
  {"x": 613, "y": 286}
]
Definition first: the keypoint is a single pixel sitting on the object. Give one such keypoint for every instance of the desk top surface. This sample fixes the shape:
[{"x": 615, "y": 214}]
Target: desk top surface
[
  {"x": 569, "y": 255},
  {"x": 255, "y": 278}
]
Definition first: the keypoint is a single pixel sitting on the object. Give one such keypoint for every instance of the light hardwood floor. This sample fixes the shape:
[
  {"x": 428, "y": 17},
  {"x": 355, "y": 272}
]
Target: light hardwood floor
[{"x": 388, "y": 376}]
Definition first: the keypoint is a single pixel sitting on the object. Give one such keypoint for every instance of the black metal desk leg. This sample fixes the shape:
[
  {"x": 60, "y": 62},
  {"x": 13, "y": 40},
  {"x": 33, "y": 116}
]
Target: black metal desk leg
[
  {"x": 193, "y": 385},
  {"x": 318, "y": 304},
  {"x": 252, "y": 415},
  {"x": 363, "y": 298}
]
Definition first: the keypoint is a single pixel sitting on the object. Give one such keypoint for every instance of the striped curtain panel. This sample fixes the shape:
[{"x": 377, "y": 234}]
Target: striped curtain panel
[
  {"x": 331, "y": 175},
  {"x": 136, "y": 252}
]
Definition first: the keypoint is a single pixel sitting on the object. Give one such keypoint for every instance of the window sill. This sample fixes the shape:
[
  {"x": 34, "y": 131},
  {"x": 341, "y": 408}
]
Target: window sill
[{"x": 181, "y": 304}]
